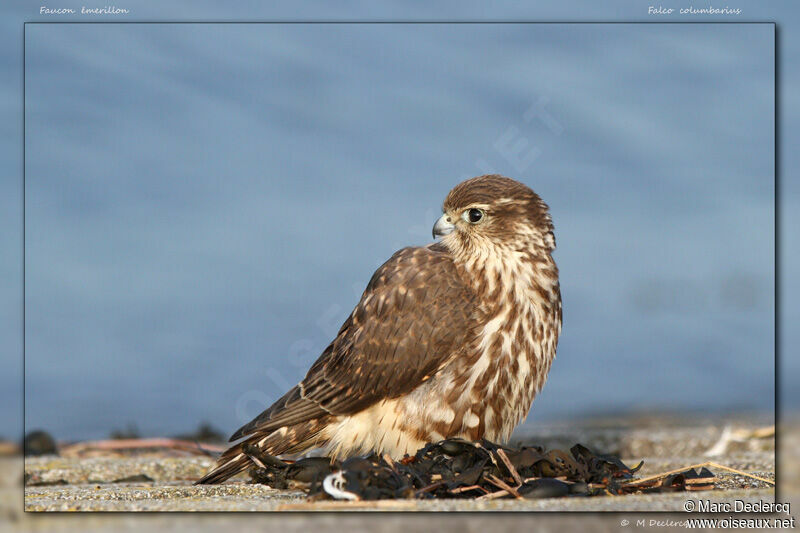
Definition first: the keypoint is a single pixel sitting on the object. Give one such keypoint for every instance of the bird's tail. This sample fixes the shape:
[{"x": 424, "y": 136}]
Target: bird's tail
[
  {"x": 286, "y": 440},
  {"x": 230, "y": 463}
]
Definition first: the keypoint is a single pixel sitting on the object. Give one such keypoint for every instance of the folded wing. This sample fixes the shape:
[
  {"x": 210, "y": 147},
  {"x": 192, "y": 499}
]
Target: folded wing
[{"x": 413, "y": 317}]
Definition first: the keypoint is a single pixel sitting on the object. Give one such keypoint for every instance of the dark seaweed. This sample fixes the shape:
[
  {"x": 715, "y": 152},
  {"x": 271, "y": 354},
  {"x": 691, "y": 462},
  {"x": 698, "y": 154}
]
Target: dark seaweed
[{"x": 457, "y": 468}]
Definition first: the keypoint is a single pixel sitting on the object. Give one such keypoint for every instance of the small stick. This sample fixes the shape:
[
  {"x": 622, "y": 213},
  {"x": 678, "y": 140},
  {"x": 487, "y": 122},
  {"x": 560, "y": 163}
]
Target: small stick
[
  {"x": 701, "y": 465},
  {"x": 664, "y": 474},
  {"x": 729, "y": 469},
  {"x": 459, "y": 490},
  {"x": 503, "y": 485},
  {"x": 493, "y": 495},
  {"x": 510, "y": 467},
  {"x": 563, "y": 479},
  {"x": 430, "y": 487}
]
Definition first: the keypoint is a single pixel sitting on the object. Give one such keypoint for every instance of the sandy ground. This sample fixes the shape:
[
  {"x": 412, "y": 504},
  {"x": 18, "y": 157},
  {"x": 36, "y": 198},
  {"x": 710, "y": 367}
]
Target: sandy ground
[{"x": 93, "y": 485}]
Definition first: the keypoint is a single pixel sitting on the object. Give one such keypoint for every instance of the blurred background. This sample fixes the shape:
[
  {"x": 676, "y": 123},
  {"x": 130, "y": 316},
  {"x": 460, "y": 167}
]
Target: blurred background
[{"x": 205, "y": 204}]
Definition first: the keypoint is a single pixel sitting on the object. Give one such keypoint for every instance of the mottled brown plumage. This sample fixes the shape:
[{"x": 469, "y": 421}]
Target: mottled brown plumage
[{"x": 453, "y": 339}]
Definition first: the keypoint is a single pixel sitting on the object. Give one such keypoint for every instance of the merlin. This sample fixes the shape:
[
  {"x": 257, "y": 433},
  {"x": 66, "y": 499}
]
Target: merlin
[{"x": 452, "y": 339}]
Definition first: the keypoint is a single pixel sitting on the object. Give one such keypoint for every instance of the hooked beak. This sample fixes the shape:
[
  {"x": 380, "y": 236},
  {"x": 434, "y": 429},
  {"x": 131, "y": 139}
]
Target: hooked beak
[{"x": 443, "y": 226}]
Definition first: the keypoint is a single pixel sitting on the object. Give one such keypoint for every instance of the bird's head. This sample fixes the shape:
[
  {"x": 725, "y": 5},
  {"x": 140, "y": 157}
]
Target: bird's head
[{"x": 493, "y": 212}]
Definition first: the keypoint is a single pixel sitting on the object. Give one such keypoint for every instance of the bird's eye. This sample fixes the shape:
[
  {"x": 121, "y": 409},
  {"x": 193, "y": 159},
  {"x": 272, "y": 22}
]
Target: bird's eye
[{"x": 473, "y": 216}]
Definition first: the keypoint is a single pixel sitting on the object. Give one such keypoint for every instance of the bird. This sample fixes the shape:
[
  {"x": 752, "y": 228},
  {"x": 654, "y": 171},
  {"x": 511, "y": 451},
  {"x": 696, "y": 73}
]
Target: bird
[{"x": 449, "y": 340}]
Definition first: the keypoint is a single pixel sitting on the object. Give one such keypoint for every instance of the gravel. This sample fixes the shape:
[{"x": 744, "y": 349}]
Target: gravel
[{"x": 165, "y": 483}]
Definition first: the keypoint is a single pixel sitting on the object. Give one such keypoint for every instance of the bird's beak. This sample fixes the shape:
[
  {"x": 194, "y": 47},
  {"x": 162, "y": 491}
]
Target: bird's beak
[{"x": 443, "y": 226}]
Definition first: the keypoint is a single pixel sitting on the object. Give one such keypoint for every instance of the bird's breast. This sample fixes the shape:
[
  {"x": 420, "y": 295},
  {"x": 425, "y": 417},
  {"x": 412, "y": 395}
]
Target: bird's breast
[
  {"x": 514, "y": 343},
  {"x": 490, "y": 383}
]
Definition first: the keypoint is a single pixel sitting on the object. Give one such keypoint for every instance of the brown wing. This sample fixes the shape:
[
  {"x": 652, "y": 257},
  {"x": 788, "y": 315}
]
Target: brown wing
[{"x": 413, "y": 316}]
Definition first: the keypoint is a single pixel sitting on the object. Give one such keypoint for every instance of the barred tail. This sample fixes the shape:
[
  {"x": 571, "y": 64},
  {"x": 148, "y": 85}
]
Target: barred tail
[
  {"x": 230, "y": 463},
  {"x": 286, "y": 440}
]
